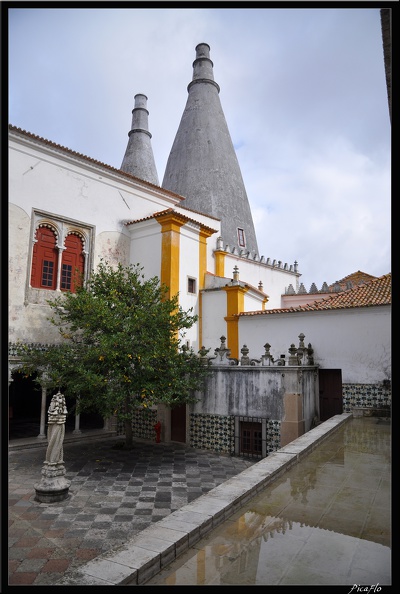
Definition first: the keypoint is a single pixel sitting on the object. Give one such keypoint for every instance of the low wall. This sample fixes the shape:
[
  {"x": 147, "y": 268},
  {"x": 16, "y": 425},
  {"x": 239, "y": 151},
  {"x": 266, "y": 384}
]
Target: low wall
[{"x": 285, "y": 399}]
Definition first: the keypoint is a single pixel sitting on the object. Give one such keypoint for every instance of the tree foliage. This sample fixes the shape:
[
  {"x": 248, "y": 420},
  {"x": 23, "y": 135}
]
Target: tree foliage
[{"x": 121, "y": 345}]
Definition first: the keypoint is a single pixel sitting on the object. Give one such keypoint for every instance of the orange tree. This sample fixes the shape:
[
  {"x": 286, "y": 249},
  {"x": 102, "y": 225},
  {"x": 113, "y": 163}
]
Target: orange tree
[{"x": 121, "y": 346}]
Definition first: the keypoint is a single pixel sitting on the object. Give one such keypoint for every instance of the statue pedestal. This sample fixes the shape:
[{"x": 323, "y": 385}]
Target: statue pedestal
[{"x": 53, "y": 485}]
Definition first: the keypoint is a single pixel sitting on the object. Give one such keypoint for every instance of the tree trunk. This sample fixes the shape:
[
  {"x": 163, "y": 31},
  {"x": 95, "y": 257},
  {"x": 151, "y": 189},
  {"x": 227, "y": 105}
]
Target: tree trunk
[{"x": 128, "y": 427}]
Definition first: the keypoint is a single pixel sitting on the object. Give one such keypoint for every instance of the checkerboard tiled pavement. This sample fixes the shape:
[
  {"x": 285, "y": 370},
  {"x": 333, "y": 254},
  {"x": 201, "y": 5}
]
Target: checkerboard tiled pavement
[{"x": 114, "y": 494}]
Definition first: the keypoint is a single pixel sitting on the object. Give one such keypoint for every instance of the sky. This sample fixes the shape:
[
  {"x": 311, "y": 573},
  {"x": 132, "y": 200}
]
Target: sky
[{"x": 303, "y": 92}]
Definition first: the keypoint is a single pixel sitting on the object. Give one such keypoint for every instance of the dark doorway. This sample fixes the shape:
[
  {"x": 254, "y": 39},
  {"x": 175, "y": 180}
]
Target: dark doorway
[
  {"x": 330, "y": 393},
  {"x": 24, "y": 404},
  {"x": 178, "y": 423}
]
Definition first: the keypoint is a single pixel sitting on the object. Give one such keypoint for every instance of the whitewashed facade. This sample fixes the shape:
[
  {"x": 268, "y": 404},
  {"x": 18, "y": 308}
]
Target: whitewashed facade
[{"x": 357, "y": 340}]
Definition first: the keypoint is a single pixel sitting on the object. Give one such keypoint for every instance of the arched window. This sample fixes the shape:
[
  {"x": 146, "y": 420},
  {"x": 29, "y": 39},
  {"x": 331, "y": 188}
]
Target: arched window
[
  {"x": 72, "y": 263},
  {"x": 44, "y": 260},
  {"x": 62, "y": 253}
]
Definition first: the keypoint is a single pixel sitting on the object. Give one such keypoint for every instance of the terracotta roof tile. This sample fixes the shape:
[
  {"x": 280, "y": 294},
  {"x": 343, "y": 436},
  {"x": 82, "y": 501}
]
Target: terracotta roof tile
[
  {"x": 161, "y": 213},
  {"x": 356, "y": 278},
  {"x": 369, "y": 294}
]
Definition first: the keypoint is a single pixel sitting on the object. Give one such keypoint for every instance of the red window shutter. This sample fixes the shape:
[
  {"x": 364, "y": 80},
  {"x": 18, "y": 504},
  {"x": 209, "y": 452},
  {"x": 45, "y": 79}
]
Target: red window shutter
[
  {"x": 44, "y": 260},
  {"x": 72, "y": 264}
]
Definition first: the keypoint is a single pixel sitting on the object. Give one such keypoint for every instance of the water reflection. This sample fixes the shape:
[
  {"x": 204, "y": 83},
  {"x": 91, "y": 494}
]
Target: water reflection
[
  {"x": 288, "y": 553},
  {"x": 326, "y": 521}
]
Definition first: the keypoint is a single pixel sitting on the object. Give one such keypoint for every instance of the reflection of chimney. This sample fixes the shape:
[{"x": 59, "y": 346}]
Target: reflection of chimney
[{"x": 139, "y": 158}]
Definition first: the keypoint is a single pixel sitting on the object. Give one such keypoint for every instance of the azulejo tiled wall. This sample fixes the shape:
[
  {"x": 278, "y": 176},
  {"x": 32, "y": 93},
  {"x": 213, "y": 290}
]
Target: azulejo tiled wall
[
  {"x": 365, "y": 395},
  {"x": 217, "y": 433},
  {"x": 212, "y": 432},
  {"x": 143, "y": 422},
  {"x": 273, "y": 436}
]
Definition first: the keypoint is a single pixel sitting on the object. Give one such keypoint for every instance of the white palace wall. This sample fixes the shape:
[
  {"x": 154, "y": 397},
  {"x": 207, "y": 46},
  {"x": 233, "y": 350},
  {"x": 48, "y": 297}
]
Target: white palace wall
[{"x": 356, "y": 340}]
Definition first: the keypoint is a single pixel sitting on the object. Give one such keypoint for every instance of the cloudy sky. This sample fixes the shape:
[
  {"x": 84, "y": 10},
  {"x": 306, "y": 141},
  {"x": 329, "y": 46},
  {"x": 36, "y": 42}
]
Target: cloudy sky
[{"x": 303, "y": 92}]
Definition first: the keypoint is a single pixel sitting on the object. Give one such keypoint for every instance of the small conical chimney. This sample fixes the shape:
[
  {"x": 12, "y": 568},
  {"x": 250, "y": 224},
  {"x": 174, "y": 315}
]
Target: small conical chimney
[{"x": 139, "y": 158}]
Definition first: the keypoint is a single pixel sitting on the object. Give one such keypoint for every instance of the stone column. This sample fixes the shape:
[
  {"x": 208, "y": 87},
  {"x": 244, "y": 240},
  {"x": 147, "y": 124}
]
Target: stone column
[
  {"x": 53, "y": 485},
  {"x": 42, "y": 433},
  {"x": 77, "y": 430},
  {"x": 44, "y": 382},
  {"x": 10, "y": 380}
]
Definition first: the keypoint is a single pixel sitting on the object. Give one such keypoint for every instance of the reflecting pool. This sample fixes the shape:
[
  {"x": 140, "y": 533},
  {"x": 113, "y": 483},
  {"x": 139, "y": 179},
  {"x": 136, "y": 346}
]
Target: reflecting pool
[{"x": 326, "y": 521}]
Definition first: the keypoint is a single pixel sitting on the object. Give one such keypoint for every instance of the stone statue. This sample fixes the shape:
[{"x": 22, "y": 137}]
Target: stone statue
[
  {"x": 53, "y": 485},
  {"x": 57, "y": 416}
]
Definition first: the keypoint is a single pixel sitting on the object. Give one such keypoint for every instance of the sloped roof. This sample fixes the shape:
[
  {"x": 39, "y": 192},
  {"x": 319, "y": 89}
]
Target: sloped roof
[
  {"x": 67, "y": 151},
  {"x": 184, "y": 218},
  {"x": 374, "y": 293},
  {"x": 356, "y": 278}
]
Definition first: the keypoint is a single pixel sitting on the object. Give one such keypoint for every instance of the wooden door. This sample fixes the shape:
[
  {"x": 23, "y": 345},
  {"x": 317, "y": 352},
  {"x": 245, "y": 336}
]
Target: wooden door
[
  {"x": 330, "y": 393},
  {"x": 178, "y": 423}
]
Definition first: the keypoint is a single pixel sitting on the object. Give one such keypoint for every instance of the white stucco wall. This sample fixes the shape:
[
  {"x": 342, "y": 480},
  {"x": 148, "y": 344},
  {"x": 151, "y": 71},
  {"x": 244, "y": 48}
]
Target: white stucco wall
[
  {"x": 214, "y": 325},
  {"x": 274, "y": 280},
  {"x": 252, "y": 301},
  {"x": 357, "y": 341},
  {"x": 45, "y": 179},
  {"x": 189, "y": 267},
  {"x": 208, "y": 222},
  {"x": 145, "y": 247}
]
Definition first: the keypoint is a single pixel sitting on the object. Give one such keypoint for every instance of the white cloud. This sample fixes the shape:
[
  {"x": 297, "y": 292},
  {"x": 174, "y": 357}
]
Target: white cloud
[{"x": 303, "y": 92}]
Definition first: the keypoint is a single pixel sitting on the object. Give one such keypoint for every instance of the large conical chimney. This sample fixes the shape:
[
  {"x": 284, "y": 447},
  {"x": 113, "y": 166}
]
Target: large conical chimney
[
  {"x": 203, "y": 167},
  {"x": 139, "y": 158}
]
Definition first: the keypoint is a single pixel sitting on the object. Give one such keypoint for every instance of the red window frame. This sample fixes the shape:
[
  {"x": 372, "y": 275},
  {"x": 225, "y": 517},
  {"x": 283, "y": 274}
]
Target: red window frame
[
  {"x": 72, "y": 263},
  {"x": 44, "y": 260}
]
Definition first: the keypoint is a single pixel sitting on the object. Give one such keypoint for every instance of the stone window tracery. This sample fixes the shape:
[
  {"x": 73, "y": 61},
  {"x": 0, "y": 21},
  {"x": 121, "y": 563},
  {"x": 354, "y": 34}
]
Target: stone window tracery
[{"x": 61, "y": 254}]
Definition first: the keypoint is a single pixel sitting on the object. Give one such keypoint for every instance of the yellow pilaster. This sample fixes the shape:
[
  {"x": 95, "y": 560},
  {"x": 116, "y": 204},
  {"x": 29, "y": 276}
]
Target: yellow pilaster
[
  {"x": 204, "y": 234},
  {"x": 171, "y": 224},
  {"x": 220, "y": 262},
  {"x": 234, "y": 305}
]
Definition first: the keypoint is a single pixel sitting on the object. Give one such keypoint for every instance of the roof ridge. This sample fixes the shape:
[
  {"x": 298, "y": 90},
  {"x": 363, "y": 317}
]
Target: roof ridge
[{"x": 71, "y": 152}]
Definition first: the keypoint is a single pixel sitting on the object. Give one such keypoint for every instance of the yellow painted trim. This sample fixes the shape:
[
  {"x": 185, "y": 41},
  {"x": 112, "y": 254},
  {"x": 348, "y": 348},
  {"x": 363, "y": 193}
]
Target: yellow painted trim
[
  {"x": 204, "y": 234},
  {"x": 220, "y": 263},
  {"x": 232, "y": 335},
  {"x": 170, "y": 251},
  {"x": 234, "y": 305}
]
